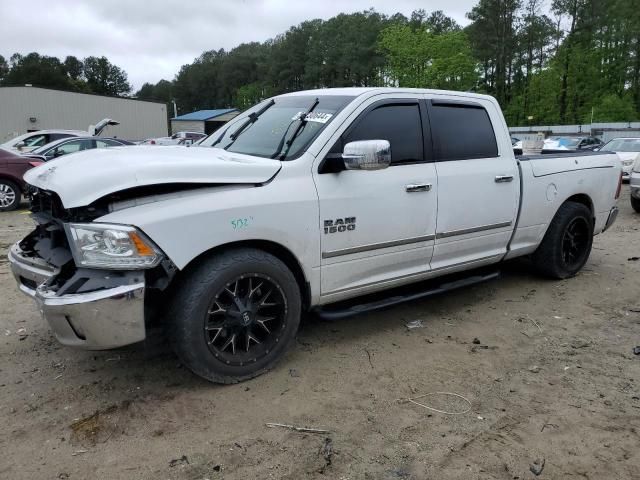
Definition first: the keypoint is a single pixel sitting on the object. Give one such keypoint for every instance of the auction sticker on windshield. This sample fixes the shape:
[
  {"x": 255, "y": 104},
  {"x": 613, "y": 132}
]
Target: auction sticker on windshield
[{"x": 314, "y": 117}]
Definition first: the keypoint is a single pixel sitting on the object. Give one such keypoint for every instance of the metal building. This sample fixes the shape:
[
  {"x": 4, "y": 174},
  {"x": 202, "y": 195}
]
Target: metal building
[
  {"x": 25, "y": 109},
  {"x": 203, "y": 121}
]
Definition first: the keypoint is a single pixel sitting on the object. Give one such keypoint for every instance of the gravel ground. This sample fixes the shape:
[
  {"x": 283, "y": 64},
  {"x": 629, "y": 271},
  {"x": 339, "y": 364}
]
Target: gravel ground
[{"x": 547, "y": 367}]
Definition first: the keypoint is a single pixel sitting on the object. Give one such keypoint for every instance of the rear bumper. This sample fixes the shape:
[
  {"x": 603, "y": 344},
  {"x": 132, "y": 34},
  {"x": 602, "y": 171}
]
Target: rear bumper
[
  {"x": 96, "y": 320},
  {"x": 613, "y": 214}
]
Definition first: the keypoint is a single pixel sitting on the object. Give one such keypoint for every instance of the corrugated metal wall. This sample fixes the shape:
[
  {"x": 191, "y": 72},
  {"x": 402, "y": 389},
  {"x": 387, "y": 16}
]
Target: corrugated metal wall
[
  {"x": 76, "y": 111},
  {"x": 187, "y": 126}
]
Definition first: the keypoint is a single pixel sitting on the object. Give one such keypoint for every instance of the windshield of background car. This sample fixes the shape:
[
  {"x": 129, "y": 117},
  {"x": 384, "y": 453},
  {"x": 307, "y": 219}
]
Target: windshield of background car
[
  {"x": 35, "y": 141},
  {"x": 263, "y": 138},
  {"x": 567, "y": 141},
  {"x": 623, "y": 145}
]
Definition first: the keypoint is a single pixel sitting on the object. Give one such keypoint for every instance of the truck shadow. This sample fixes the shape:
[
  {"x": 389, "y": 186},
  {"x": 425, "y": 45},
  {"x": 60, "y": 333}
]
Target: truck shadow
[{"x": 152, "y": 361}]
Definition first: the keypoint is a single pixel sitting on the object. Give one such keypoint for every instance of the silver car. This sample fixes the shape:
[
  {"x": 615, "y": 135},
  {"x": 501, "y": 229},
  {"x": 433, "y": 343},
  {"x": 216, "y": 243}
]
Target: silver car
[{"x": 628, "y": 149}]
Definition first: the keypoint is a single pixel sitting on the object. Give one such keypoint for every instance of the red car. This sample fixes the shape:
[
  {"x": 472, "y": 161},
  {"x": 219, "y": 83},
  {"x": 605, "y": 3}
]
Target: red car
[{"x": 12, "y": 186}]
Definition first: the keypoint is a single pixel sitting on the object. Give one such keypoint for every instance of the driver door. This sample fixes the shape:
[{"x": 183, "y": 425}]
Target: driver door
[{"x": 378, "y": 227}]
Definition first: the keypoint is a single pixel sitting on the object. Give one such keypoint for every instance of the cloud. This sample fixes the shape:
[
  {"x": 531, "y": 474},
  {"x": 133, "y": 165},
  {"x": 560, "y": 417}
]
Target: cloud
[{"x": 152, "y": 40}]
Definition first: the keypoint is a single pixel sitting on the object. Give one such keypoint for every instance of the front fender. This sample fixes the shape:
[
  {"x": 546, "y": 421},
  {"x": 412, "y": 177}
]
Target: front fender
[{"x": 185, "y": 226}]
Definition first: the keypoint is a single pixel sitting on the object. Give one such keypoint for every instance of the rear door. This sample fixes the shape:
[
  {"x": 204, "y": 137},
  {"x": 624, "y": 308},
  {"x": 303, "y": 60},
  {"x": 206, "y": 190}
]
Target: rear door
[
  {"x": 478, "y": 182},
  {"x": 377, "y": 227}
]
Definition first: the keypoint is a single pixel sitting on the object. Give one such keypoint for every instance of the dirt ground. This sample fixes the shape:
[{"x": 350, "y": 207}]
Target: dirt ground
[{"x": 552, "y": 383}]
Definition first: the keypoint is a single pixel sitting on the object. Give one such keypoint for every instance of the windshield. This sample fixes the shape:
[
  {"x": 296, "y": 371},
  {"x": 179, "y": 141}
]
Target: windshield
[
  {"x": 623, "y": 145},
  {"x": 263, "y": 137}
]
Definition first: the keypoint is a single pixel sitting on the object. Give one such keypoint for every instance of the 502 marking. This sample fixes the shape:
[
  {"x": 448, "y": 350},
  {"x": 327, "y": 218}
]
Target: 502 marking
[{"x": 239, "y": 223}]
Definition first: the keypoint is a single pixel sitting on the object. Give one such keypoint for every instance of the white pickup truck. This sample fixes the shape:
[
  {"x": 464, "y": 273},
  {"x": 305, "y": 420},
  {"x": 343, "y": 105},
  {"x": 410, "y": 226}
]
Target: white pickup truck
[{"x": 327, "y": 200}]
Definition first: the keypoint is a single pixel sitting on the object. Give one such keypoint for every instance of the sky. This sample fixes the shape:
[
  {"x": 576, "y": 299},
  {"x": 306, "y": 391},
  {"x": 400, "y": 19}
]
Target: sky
[{"x": 152, "y": 39}]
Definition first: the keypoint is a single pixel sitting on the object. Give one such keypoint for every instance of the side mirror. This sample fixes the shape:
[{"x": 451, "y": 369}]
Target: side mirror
[
  {"x": 58, "y": 153},
  {"x": 19, "y": 145},
  {"x": 367, "y": 155}
]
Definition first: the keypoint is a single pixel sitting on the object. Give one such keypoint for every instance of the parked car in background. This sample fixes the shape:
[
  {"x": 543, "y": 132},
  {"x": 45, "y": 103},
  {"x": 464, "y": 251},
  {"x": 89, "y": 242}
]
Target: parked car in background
[
  {"x": 628, "y": 149},
  {"x": 558, "y": 144},
  {"x": 66, "y": 146},
  {"x": 12, "y": 186},
  {"x": 32, "y": 140},
  {"x": 634, "y": 184},
  {"x": 178, "y": 138},
  {"x": 572, "y": 143}
]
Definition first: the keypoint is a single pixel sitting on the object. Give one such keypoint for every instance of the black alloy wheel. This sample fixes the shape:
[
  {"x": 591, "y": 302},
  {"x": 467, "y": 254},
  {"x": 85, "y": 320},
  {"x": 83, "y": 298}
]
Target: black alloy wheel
[
  {"x": 575, "y": 242},
  {"x": 245, "y": 319}
]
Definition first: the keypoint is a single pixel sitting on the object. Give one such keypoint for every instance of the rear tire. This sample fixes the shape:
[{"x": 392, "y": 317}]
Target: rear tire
[
  {"x": 234, "y": 315},
  {"x": 635, "y": 203},
  {"x": 566, "y": 246},
  {"x": 10, "y": 195}
]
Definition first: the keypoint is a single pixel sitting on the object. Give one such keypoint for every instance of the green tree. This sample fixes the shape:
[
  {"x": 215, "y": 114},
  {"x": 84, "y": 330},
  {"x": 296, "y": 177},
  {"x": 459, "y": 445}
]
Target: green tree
[
  {"x": 419, "y": 58},
  {"x": 73, "y": 67},
  {"x": 161, "y": 91},
  {"x": 612, "y": 108},
  {"x": 38, "y": 70},
  {"x": 4, "y": 68},
  {"x": 492, "y": 34},
  {"x": 104, "y": 78}
]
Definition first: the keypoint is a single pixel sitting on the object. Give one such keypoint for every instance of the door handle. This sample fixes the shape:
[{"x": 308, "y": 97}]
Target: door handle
[
  {"x": 417, "y": 187},
  {"x": 504, "y": 178}
]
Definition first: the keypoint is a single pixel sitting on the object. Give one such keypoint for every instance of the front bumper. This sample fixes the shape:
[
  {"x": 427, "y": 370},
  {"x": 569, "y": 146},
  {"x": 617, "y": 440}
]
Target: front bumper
[{"x": 96, "y": 320}]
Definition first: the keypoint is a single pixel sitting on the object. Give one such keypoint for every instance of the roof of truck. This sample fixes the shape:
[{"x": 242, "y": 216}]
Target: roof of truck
[{"x": 357, "y": 91}]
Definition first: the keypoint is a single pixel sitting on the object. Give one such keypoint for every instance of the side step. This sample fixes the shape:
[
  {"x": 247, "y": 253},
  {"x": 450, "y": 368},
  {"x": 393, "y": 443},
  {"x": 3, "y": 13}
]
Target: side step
[{"x": 399, "y": 295}]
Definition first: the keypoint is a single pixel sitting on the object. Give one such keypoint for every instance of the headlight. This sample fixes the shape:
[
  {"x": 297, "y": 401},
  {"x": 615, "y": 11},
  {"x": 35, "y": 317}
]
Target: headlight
[
  {"x": 119, "y": 247},
  {"x": 636, "y": 167}
]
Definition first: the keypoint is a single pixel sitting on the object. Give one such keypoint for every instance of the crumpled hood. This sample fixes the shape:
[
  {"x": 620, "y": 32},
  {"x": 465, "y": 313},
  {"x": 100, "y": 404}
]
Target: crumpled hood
[{"x": 81, "y": 178}]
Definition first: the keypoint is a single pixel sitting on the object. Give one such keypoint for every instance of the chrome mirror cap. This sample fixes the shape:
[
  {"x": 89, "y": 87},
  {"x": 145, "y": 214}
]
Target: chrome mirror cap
[{"x": 367, "y": 155}]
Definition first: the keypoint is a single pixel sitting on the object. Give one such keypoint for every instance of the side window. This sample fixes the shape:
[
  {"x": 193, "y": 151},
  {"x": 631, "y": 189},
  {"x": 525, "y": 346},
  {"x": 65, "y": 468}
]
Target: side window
[
  {"x": 461, "y": 132},
  {"x": 71, "y": 147},
  {"x": 104, "y": 143},
  {"x": 400, "y": 124}
]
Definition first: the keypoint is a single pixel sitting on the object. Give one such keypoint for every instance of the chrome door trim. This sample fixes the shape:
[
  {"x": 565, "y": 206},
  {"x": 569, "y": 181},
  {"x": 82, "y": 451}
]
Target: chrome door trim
[
  {"x": 417, "y": 187},
  {"x": 482, "y": 228},
  {"x": 504, "y": 178},
  {"x": 376, "y": 246}
]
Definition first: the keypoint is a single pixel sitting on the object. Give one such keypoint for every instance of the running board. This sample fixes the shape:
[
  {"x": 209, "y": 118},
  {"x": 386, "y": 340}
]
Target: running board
[{"x": 340, "y": 310}]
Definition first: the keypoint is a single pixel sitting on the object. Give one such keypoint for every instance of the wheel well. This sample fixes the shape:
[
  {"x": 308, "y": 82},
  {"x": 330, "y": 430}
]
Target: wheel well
[
  {"x": 11, "y": 179},
  {"x": 275, "y": 249},
  {"x": 583, "y": 199}
]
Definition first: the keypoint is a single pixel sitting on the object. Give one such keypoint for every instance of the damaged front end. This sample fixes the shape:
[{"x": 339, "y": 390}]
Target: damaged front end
[{"x": 88, "y": 307}]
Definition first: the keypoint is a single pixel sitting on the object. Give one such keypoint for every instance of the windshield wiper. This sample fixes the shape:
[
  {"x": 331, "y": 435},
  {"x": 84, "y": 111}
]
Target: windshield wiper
[
  {"x": 296, "y": 132},
  {"x": 252, "y": 118}
]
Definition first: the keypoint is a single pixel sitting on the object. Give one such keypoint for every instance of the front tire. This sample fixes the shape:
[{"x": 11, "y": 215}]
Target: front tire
[
  {"x": 10, "y": 195},
  {"x": 566, "y": 246},
  {"x": 635, "y": 203},
  {"x": 234, "y": 315}
]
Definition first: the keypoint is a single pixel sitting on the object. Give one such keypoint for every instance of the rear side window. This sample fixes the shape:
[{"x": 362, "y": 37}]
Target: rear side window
[
  {"x": 462, "y": 132},
  {"x": 400, "y": 124}
]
